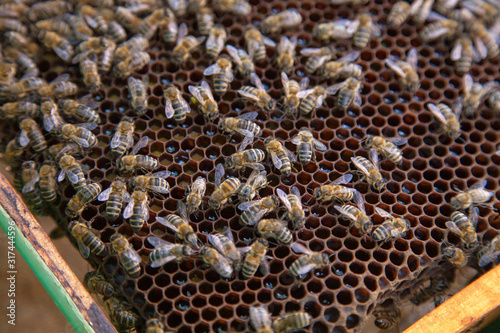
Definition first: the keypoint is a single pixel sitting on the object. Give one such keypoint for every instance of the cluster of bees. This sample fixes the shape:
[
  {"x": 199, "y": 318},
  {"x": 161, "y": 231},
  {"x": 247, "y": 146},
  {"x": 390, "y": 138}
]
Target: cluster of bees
[{"x": 108, "y": 38}]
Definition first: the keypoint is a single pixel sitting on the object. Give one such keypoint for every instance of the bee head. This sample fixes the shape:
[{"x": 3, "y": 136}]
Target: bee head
[
  {"x": 455, "y": 203},
  {"x": 71, "y": 213}
]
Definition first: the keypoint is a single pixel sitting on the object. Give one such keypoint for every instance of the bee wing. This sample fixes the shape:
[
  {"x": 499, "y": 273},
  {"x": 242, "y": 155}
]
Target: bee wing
[
  {"x": 167, "y": 224},
  {"x": 357, "y": 99},
  {"x": 72, "y": 177},
  {"x": 305, "y": 93},
  {"x": 373, "y": 157},
  {"x": 375, "y": 30},
  {"x": 474, "y": 216},
  {"x": 283, "y": 45},
  {"x": 132, "y": 255},
  {"x": 159, "y": 189},
  {"x": 249, "y": 115},
  {"x": 254, "y": 78},
  {"x": 453, "y": 228},
  {"x": 161, "y": 174},
  {"x": 104, "y": 195},
  {"x": 412, "y": 58},
  {"x": 162, "y": 261},
  {"x": 264, "y": 266},
  {"x": 479, "y": 185},
  {"x": 212, "y": 69},
  {"x": 184, "y": 104},
  {"x": 169, "y": 109},
  {"x": 394, "y": 67},
  {"x": 129, "y": 210},
  {"x": 437, "y": 113},
  {"x": 299, "y": 249},
  {"x": 260, "y": 317},
  {"x": 143, "y": 142},
  {"x": 456, "y": 52},
  {"x": 216, "y": 243},
  {"x": 303, "y": 83},
  {"x": 398, "y": 141},
  {"x": 126, "y": 197},
  {"x": 309, "y": 51},
  {"x": 382, "y": 212},
  {"x": 88, "y": 126},
  {"x": 181, "y": 209},
  {"x": 160, "y": 243},
  {"x": 244, "y": 206},
  {"x": 488, "y": 257},
  {"x": 61, "y": 78},
  {"x": 196, "y": 94},
  {"x": 332, "y": 90},
  {"x": 295, "y": 191},
  {"x": 283, "y": 197},
  {"x": 358, "y": 199},
  {"x": 23, "y": 138},
  {"x": 252, "y": 45},
  {"x": 349, "y": 57},
  {"x": 206, "y": 86},
  {"x": 345, "y": 212},
  {"x": 248, "y": 95},
  {"x": 30, "y": 184},
  {"x": 481, "y": 48},
  {"x": 233, "y": 52},
  {"x": 360, "y": 166},
  {"x": 268, "y": 41},
  {"x": 297, "y": 139},
  {"x": 115, "y": 141},
  {"x": 246, "y": 141},
  {"x": 219, "y": 173},
  {"x": 276, "y": 160},
  {"x": 182, "y": 32},
  {"x": 202, "y": 187},
  {"x": 211, "y": 41},
  {"x": 48, "y": 124},
  {"x": 345, "y": 179},
  {"x": 319, "y": 145},
  {"x": 319, "y": 101},
  {"x": 285, "y": 82},
  {"x": 84, "y": 250},
  {"x": 61, "y": 176},
  {"x": 290, "y": 155}
]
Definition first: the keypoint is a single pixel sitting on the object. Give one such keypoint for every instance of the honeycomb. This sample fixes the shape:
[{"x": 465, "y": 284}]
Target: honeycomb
[{"x": 362, "y": 274}]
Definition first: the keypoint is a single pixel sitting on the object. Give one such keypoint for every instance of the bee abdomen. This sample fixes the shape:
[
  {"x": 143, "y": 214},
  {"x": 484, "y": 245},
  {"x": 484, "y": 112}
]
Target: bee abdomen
[
  {"x": 307, "y": 105},
  {"x": 305, "y": 152},
  {"x": 250, "y": 266},
  {"x": 95, "y": 245},
  {"x": 220, "y": 83}
]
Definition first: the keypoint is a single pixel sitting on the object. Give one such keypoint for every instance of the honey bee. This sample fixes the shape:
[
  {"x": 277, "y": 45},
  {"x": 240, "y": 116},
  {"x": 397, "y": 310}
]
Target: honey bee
[
  {"x": 256, "y": 44},
  {"x": 242, "y": 124},
  {"x": 222, "y": 74},
  {"x": 464, "y": 227},
  {"x": 79, "y": 26},
  {"x": 22, "y": 88},
  {"x": 487, "y": 12},
  {"x": 87, "y": 241},
  {"x": 333, "y": 30},
  {"x": 208, "y": 106},
  {"x": 8, "y": 24},
  {"x": 484, "y": 40},
  {"x": 8, "y": 72},
  {"x": 286, "y": 53},
  {"x": 292, "y": 321},
  {"x": 168, "y": 27},
  {"x": 282, "y": 158},
  {"x": 387, "y": 317},
  {"x": 180, "y": 225},
  {"x": 223, "y": 191},
  {"x": 165, "y": 252},
  {"x": 150, "y": 24},
  {"x": 128, "y": 257},
  {"x": 463, "y": 53},
  {"x": 137, "y": 89},
  {"x": 26, "y": 65},
  {"x": 476, "y": 194},
  {"x": 19, "y": 110},
  {"x": 260, "y": 318},
  {"x": 59, "y": 87},
  {"x": 73, "y": 170},
  {"x": 305, "y": 144},
  {"x": 286, "y": 19},
  {"x": 474, "y": 94},
  {"x": 69, "y": 25},
  {"x": 13, "y": 152},
  {"x": 307, "y": 262},
  {"x": 155, "y": 182},
  {"x": 399, "y": 14},
  {"x": 29, "y": 178},
  {"x": 43, "y": 10},
  {"x": 455, "y": 256},
  {"x": 154, "y": 325},
  {"x": 48, "y": 183},
  {"x": 432, "y": 288},
  {"x": 246, "y": 158},
  {"x": 336, "y": 191},
  {"x": 80, "y": 134},
  {"x": 95, "y": 283},
  {"x": 135, "y": 44},
  {"x": 387, "y": 147},
  {"x": 225, "y": 245},
  {"x": 364, "y": 28},
  {"x": 494, "y": 100},
  {"x": 343, "y": 67},
  {"x": 121, "y": 314},
  {"x": 274, "y": 228},
  {"x": 215, "y": 41},
  {"x": 82, "y": 110},
  {"x": 115, "y": 32},
  {"x": 91, "y": 77},
  {"x": 349, "y": 92},
  {"x": 195, "y": 196},
  {"x": 132, "y": 162},
  {"x": 134, "y": 62},
  {"x": 419, "y": 10},
  {"x": 255, "y": 181},
  {"x": 31, "y": 134},
  {"x": 254, "y": 211},
  {"x": 317, "y": 57},
  {"x": 21, "y": 42},
  {"x": 489, "y": 253},
  {"x": 60, "y": 45},
  {"x": 439, "y": 27},
  {"x": 175, "y": 105},
  {"x": 178, "y": 6},
  {"x": 293, "y": 204},
  {"x": 127, "y": 19},
  {"x": 185, "y": 44},
  {"x": 254, "y": 258},
  {"x": 243, "y": 62},
  {"x": 369, "y": 170},
  {"x": 123, "y": 138},
  {"x": 137, "y": 210},
  {"x": 205, "y": 20},
  {"x": 57, "y": 151},
  {"x": 292, "y": 90},
  {"x": 217, "y": 261},
  {"x": 357, "y": 216},
  {"x": 406, "y": 70},
  {"x": 115, "y": 196},
  {"x": 84, "y": 196},
  {"x": 238, "y": 7},
  {"x": 14, "y": 10},
  {"x": 448, "y": 118},
  {"x": 94, "y": 19},
  {"x": 392, "y": 227}
]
